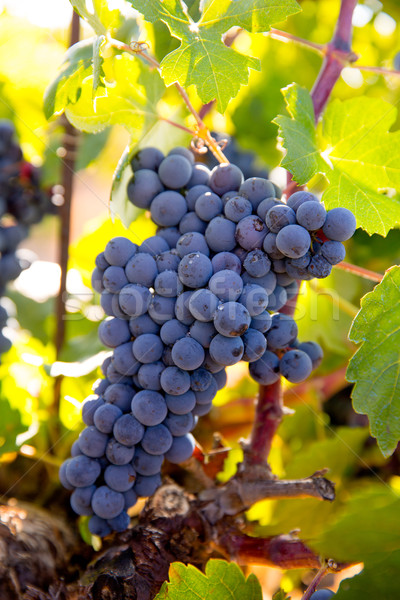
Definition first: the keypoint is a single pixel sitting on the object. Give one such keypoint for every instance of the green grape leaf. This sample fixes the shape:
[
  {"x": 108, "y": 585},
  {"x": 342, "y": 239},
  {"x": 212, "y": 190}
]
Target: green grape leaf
[
  {"x": 377, "y": 580},
  {"x": 67, "y": 86},
  {"x": 375, "y": 367},
  {"x": 10, "y": 426},
  {"x": 202, "y": 58},
  {"x": 302, "y": 158},
  {"x": 221, "y": 580},
  {"x": 131, "y": 101},
  {"x": 356, "y": 152},
  {"x": 376, "y": 503},
  {"x": 101, "y": 18},
  {"x": 365, "y": 158},
  {"x": 98, "y": 73}
]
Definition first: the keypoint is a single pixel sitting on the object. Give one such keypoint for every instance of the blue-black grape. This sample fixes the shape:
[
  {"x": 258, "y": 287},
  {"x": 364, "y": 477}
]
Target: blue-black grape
[
  {"x": 119, "y": 394},
  {"x": 119, "y": 454},
  {"x": 195, "y": 269},
  {"x": 161, "y": 309},
  {"x": 117, "y": 253},
  {"x": 157, "y": 440},
  {"x": 311, "y": 215},
  {"x": 314, "y": 351},
  {"x": 93, "y": 442},
  {"x": 149, "y": 375},
  {"x": 168, "y": 208},
  {"x": 187, "y": 354},
  {"x": 282, "y": 333},
  {"x": 226, "y": 285},
  {"x": 257, "y": 263},
  {"x": 237, "y": 208},
  {"x": 154, "y": 245},
  {"x": 98, "y": 526},
  {"x": 147, "y": 158},
  {"x": 293, "y": 241},
  {"x": 299, "y": 198},
  {"x": 179, "y": 424},
  {"x": 295, "y": 366},
  {"x": 226, "y": 351},
  {"x": 175, "y": 171},
  {"x": 208, "y": 206},
  {"x": 250, "y": 232},
  {"x": 255, "y": 344},
  {"x": 181, "y": 449},
  {"x": 203, "y": 332},
  {"x": 168, "y": 284},
  {"x": 257, "y": 189},
  {"x": 203, "y": 304},
  {"x": 120, "y": 478},
  {"x": 220, "y": 234},
  {"x": 175, "y": 381},
  {"x": 107, "y": 503},
  {"x": 168, "y": 261},
  {"x": 82, "y": 471},
  {"x": 225, "y": 177},
  {"x": 192, "y": 242},
  {"x": 105, "y": 417},
  {"x": 322, "y": 594},
  {"x": 81, "y": 500},
  {"x": 226, "y": 261},
  {"x": 279, "y": 216},
  {"x": 128, "y": 431},
  {"x": 147, "y": 464},
  {"x": 147, "y": 348},
  {"x": 254, "y": 298},
  {"x": 333, "y": 252},
  {"x": 192, "y": 223},
  {"x": 232, "y": 319},
  {"x": 142, "y": 269},
  {"x": 149, "y": 407},
  {"x": 265, "y": 370},
  {"x": 340, "y": 224},
  {"x": 182, "y": 404},
  {"x": 143, "y": 187},
  {"x": 146, "y": 486}
]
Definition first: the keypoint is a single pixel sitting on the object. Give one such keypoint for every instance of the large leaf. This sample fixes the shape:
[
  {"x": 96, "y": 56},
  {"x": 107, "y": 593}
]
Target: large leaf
[
  {"x": 375, "y": 367},
  {"x": 366, "y": 161},
  {"x": 356, "y": 153},
  {"x": 372, "y": 516},
  {"x": 131, "y": 101},
  {"x": 67, "y": 86},
  {"x": 377, "y": 580},
  {"x": 303, "y": 158},
  {"x": 202, "y": 59},
  {"x": 221, "y": 580}
]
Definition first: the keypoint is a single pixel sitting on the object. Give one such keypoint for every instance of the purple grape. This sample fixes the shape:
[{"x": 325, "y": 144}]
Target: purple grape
[
  {"x": 299, "y": 198},
  {"x": 191, "y": 222},
  {"x": 187, "y": 354},
  {"x": 295, "y": 366},
  {"x": 175, "y": 171},
  {"x": 82, "y": 471},
  {"x": 81, "y": 499},
  {"x": 149, "y": 407},
  {"x": 311, "y": 215},
  {"x": 172, "y": 331},
  {"x": 203, "y": 304},
  {"x": 168, "y": 261},
  {"x": 107, "y": 503},
  {"x": 143, "y": 187},
  {"x": 175, "y": 381},
  {"x": 128, "y": 431},
  {"x": 340, "y": 224},
  {"x": 254, "y": 298},
  {"x": 168, "y": 284},
  {"x": 134, "y": 299},
  {"x": 293, "y": 241},
  {"x": 266, "y": 369},
  {"x": 157, "y": 440},
  {"x": 154, "y": 245},
  {"x": 147, "y": 348},
  {"x": 220, "y": 234},
  {"x": 120, "y": 478},
  {"x": 232, "y": 319},
  {"x": 333, "y": 252},
  {"x": 123, "y": 360},
  {"x": 182, "y": 449},
  {"x": 118, "y": 454},
  {"x": 200, "y": 380},
  {"x": 192, "y": 242},
  {"x": 250, "y": 232},
  {"x": 141, "y": 325},
  {"x": 120, "y": 395},
  {"x": 282, "y": 332},
  {"x": 168, "y": 208},
  {"x": 226, "y": 261},
  {"x": 146, "y": 486},
  {"x": 257, "y": 263},
  {"x": 319, "y": 267},
  {"x": 195, "y": 270},
  {"x": 203, "y": 332},
  {"x": 200, "y": 176},
  {"x": 92, "y": 442},
  {"x": 105, "y": 417},
  {"x": 147, "y": 464},
  {"x": 180, "y": 405},
  {"x": 257, "y": 189},
  {"x": 147, "y": 158},
  {"x": 118, "y": 251},
  {"x": 208, "y": 206},
  {"x": 162, "y": 309},
  {"x": 226, "y": 285},
  {"x": 226, "y": 351},
  {"x": 149, "y": 376},
  {"x": 142, "y": 269},
  {"x": 255, "y": 345},
  {"x": 179, "y": 424},
  {"x": 237, "y": 208},
  {"x": 194, "y": 193}
]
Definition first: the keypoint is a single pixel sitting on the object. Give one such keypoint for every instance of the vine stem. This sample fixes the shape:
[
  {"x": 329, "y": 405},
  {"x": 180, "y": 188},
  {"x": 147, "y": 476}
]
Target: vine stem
[
  {"x": 269, "y": 410},
  {"x": 284, "y": 36},
  {"x": 201, "y": 131},
  {"x": 69, "y": 145},
  {"x": 360, "y": 271},
  {"x": 329, "y": 567}
]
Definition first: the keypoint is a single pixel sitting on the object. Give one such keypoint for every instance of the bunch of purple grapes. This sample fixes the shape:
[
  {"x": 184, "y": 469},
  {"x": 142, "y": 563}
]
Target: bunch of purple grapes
[
  {"x": 184, "y": 305},
  {"x": 22, "y": 203}
]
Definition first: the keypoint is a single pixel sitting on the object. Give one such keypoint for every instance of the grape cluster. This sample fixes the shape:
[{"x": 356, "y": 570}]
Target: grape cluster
[
  {"x": 202, "y": 294},
  {"x": 22, "y": 203}
]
